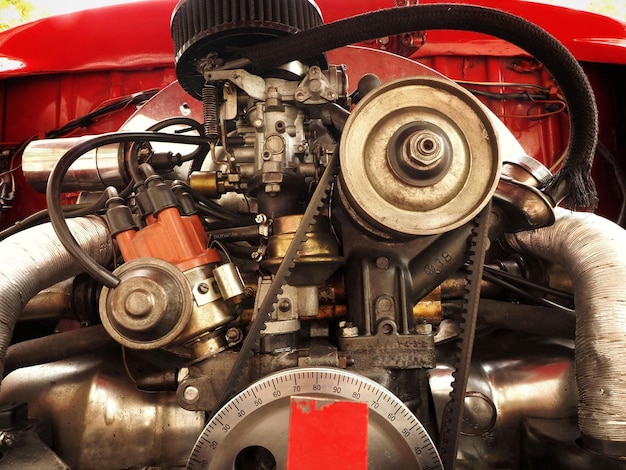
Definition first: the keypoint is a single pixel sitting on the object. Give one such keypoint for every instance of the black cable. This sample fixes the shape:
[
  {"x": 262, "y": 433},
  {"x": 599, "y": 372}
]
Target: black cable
[
  {"x": 573, "y": 181},
  {"x": 74, "y": 210},
  {"x": 527, "y": 283},
  {"x": 508, "y": 96},
  {"x": 88, "y": 119},
  {"x": 210, "y": 206},
  {"x": 540, "y": 300},
  {"x": 55, "y": 181},
  {"x": 618, "y": 175},
  {"x": 198, "y": 154}
]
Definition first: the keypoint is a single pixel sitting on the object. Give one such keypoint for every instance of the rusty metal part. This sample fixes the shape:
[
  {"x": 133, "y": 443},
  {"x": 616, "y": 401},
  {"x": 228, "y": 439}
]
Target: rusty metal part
[
  {"x": 319, "y": 256},
  {"x": 282, "y": 275},
  {"x": 429, "y": 309},
  {"x": 389, "y": 349}
]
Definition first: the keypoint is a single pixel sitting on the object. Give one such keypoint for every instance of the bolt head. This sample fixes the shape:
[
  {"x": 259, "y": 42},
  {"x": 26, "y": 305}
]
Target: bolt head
[
  {"x": 425, "y": 148},
  {"x": 191, "y": 394}
]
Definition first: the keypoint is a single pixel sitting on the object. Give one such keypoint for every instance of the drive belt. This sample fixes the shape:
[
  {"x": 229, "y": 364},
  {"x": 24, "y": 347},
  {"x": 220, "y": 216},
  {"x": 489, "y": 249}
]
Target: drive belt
[
  {"x": 235, "y": 379},
  {"x": 453, "y": 413}
]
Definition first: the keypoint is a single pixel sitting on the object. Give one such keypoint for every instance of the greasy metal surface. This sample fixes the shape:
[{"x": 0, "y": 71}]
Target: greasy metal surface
[
  {"x": 521, "y": 377},
  {"x": 258, "y": 416},
  {"x": 428, "y": 206},
  {"x": 316, "y": 203},
  {"x": 150, "y": 307},
  {"x": 319, "y": 255},
  {"x": 99, "y": 418}
]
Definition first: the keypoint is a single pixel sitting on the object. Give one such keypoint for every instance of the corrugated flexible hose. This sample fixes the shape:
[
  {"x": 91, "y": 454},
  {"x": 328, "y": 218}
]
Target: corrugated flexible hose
[
  {"x": 35, "y": 259},
  {"x": 591, "y": 249}
]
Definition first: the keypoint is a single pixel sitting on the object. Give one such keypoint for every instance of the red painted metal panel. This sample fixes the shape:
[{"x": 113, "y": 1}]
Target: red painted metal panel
[
  {"x": 127, "y": 36},
  {"x": 57, "y": 69},
  {"x": 327, "y": 434},
  {"x": 137, "y": 35}
]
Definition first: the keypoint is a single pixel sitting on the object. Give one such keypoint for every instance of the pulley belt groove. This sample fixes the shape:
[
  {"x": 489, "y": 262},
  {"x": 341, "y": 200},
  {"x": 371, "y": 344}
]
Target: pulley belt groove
[
  {"x": 453, "y": 413},
  {"x": 233, "y": 384}
]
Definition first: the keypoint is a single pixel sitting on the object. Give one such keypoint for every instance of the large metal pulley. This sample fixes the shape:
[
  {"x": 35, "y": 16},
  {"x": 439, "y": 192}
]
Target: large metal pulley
[{"x": 419, "y": 156}]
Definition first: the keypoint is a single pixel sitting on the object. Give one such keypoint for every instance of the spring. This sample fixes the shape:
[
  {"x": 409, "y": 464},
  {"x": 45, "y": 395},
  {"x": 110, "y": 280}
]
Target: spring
[{"x": 211, "y": 119}]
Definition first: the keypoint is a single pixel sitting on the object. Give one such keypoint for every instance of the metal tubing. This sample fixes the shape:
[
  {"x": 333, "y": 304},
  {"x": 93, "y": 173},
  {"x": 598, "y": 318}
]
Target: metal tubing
[
  {"x": 591, "y": 249},
  {"x": 37, "y": 260}
]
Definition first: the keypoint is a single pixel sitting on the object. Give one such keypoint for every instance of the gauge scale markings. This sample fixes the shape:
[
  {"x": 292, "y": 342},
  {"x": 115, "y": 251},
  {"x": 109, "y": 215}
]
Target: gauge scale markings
[{"x": 316, "y": 382}]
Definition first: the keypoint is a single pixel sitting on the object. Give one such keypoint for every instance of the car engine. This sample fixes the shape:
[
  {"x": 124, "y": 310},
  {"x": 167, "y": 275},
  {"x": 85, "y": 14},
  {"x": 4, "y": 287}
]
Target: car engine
[{"x": 308, "y": 252}]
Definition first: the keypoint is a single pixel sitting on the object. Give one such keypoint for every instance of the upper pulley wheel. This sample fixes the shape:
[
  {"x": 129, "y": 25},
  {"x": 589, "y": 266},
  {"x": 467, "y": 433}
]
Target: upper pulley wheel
[
  {"x": 212, "y": 31},
  {"x": 419, "y": 156}
]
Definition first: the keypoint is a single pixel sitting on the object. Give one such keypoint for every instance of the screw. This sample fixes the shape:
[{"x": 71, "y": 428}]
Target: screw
[
  {"x": 203, "y": 288},
  {"x": 191, "y": 394},
  {"x": 6, "y": 439},
  {"x": 382, "y": 263},
  {"x": 284, "y": 305}
]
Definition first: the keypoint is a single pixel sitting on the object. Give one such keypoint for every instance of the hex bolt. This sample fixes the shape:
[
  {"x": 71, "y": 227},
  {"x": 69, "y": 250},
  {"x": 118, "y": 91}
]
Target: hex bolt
[
  {"x": 423, "y": 328},
  {"x": 191, "y": 394},
  {"x": 234, "y": 335},
  {"x": 425, "y": 147}
]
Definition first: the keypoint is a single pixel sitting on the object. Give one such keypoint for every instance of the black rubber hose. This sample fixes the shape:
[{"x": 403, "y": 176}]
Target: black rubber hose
[
  {"x": 198, "y": 154},
  {"x": 572, "y": 182},
  {"x": 55, "y": 181}
]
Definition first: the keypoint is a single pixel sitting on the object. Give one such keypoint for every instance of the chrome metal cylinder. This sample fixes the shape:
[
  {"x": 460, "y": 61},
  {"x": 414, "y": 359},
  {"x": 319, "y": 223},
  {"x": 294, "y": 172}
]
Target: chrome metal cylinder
[{"x": 93, "y": 171}]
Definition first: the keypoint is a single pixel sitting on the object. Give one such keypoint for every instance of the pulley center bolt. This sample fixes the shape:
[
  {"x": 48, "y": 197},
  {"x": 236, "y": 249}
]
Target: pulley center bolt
[{"x": 425, "y": 148}]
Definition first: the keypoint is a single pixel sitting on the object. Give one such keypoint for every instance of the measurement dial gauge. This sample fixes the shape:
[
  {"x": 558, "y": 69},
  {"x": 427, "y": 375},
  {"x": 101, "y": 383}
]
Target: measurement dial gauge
[{"x": 257, "y": 420}]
